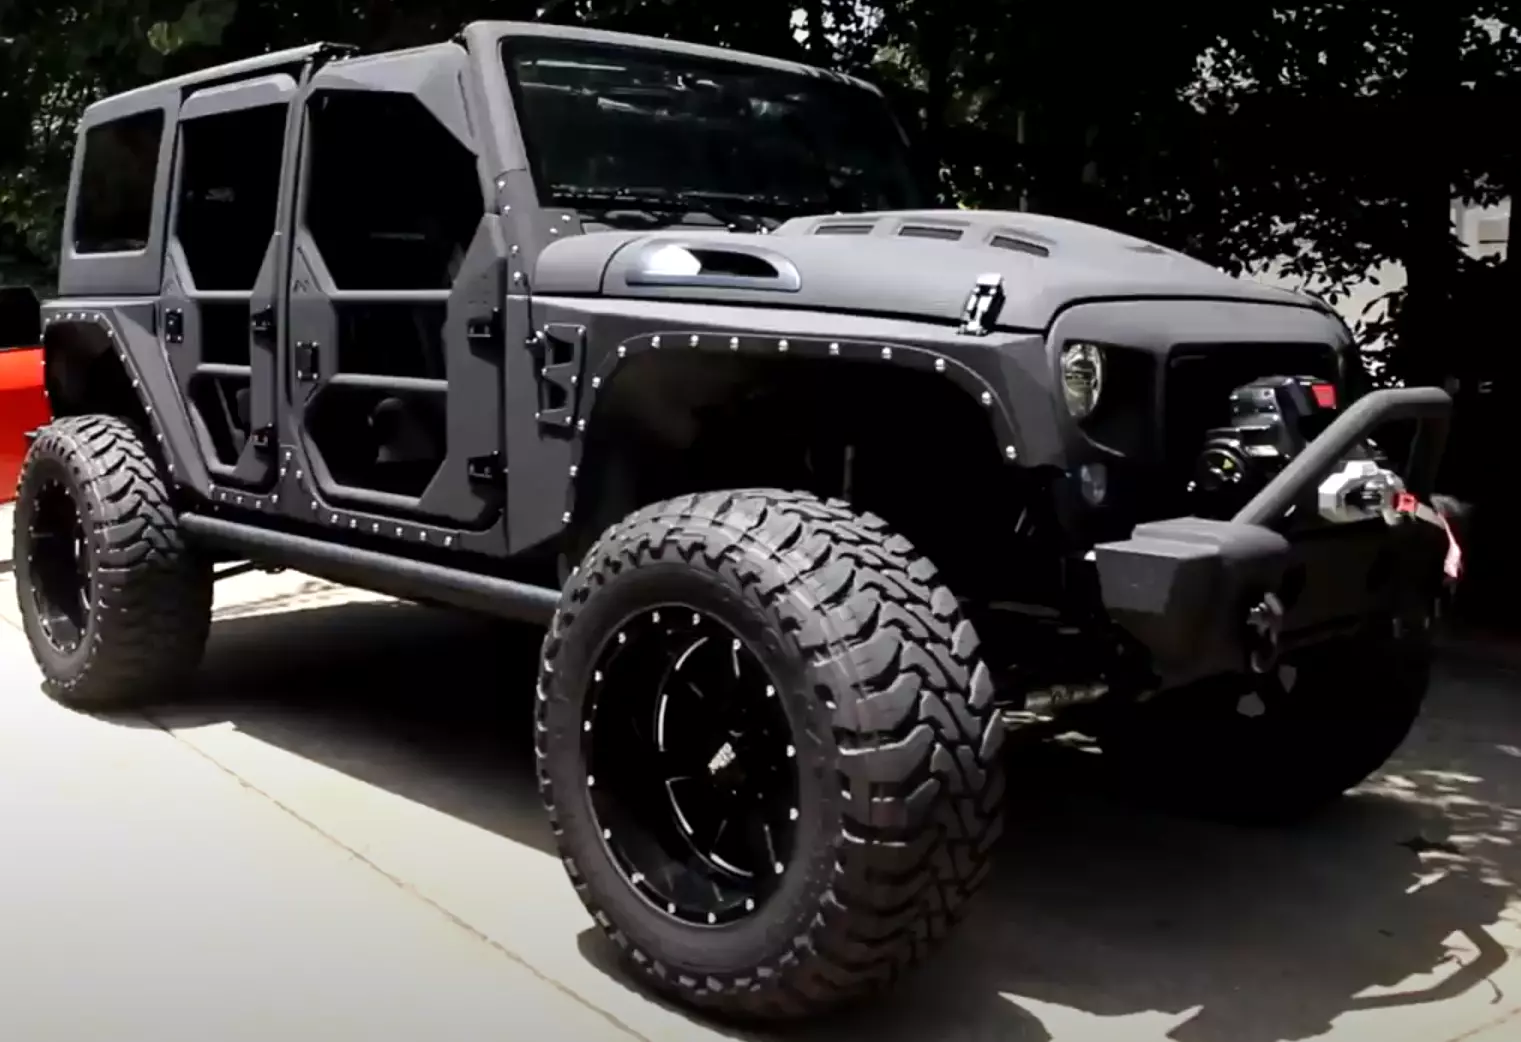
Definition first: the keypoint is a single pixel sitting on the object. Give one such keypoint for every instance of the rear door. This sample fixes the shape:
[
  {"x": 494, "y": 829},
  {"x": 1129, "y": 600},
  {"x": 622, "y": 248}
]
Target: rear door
[{"x": 221, "y": 271}]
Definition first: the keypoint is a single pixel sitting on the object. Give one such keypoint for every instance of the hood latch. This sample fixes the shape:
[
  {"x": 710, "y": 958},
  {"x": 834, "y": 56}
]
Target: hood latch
[{"x": 982, "y": 306}]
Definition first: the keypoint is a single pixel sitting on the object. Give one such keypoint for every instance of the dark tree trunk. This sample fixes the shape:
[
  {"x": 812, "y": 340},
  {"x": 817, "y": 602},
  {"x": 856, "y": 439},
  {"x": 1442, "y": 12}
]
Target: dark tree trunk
[
  {"x": 819, "y": 51},
  {"x": 936, "y": 52},
  {"x": 1430, "y": 256}
]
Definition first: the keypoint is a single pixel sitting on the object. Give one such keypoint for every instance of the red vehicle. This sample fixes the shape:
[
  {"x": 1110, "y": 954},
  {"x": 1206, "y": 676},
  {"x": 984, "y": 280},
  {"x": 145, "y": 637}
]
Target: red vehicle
[{"x": 23, "y": 405}]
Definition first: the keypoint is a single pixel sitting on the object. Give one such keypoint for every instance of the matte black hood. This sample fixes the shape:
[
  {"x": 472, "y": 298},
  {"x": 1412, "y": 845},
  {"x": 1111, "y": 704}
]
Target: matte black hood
[{"x": 911, "y": 264}]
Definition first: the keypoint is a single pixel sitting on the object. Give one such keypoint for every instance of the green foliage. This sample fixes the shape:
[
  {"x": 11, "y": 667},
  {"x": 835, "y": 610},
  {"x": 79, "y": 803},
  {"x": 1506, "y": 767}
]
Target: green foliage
[
  {"x": 200, "y": 24},
  {"x": 55, "y": 58},
  {"x": 1328, "y": 136},
  {"x": 1325, "y": 138}
]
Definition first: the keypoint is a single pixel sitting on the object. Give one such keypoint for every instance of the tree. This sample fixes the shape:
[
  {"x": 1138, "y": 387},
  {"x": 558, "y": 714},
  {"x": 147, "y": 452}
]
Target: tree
[
  {"x": 1344, "y": 133},
  {"x": 55, "y": 58}
]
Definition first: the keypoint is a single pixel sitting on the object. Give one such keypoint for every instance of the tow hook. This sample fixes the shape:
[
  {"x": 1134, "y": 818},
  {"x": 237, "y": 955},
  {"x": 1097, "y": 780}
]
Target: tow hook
[
  {"x": 1361, "y": 489},
  {"x": 1264, "y": 623}
]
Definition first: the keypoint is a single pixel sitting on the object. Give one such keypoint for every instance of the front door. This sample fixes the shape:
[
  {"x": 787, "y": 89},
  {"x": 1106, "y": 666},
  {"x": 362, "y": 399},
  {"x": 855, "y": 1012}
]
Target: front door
[{"x": 394, "y": 381}]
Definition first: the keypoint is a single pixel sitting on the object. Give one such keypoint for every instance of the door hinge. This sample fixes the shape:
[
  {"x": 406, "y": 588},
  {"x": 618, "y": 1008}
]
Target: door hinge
[
  {"x": 559, "y": 349},
  {"x": 486, "y": 470},
  {"x": 174, "y": 326},
  {"x": 982, "y": 306},
  {"x": 263, "y": 439},
  {"x": 307, "y": 361},
  {"x": 262, "y": 322}
]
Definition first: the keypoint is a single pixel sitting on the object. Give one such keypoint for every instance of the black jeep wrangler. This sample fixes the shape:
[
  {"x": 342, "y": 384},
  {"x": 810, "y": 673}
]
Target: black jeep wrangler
[{"x": 820, "y": 491}]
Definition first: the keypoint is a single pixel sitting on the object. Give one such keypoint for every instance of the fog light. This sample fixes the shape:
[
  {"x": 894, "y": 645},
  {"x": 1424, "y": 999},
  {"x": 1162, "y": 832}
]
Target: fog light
[{"x": 1093, "y": 479}]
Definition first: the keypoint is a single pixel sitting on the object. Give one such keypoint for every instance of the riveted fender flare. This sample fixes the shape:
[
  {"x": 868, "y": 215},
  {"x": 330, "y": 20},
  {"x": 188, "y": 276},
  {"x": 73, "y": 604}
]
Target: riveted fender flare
[
  {"x": 928, "y": 360},
  {"x": 89, "y": 331}
]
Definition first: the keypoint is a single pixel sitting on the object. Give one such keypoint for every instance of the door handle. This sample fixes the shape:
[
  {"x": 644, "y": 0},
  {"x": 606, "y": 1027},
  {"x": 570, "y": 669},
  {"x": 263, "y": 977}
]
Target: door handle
[{"x": 261, "y": 324}]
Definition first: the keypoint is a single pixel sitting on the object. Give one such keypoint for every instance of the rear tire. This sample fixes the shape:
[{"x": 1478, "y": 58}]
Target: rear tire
[
  {"x": 115, "y": 605},
  {"x": 1274, "y": 749},
  {"x": 870, "y": 676}
]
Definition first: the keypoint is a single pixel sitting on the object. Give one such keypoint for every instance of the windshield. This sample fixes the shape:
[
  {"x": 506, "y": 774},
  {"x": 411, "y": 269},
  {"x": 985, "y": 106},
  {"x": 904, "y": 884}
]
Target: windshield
[{"x": 654, "y": 130}]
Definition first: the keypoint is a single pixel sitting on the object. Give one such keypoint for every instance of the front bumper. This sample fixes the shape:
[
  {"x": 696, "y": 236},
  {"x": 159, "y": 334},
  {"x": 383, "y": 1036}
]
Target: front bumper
[{"x": 1185, "y": 589}]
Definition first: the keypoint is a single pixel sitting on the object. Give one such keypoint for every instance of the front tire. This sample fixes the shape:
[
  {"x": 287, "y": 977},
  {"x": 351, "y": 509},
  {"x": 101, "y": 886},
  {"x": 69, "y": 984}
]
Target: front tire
[
  {"x": 1273, "y": 749},
  {"x": 115, "y": 605},
  {"x": 852, "y": 742}
]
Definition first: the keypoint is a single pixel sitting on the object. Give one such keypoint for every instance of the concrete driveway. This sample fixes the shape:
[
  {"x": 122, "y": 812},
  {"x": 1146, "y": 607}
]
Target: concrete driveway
[{"x": 339, "y": 838}]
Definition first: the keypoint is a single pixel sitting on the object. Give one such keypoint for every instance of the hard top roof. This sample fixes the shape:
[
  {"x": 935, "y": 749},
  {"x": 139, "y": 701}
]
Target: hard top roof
[
  {"x": 474, "y": 34},
  {"x": 499, "y": 29},
  {"x": 142, "y": 97}
]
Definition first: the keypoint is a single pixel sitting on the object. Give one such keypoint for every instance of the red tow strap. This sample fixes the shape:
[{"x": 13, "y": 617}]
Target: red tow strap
[{"x": 1452, "y": 564}]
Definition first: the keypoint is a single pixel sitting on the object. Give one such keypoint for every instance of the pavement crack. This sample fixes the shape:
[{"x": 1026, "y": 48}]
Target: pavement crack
[{"x": 398, "y": 881}]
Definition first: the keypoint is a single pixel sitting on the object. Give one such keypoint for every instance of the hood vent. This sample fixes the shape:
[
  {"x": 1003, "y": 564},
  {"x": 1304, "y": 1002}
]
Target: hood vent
[
  {"x": 845, "y": 228},
  {"x": 1008, "y": 242},
  {"x": 930, "y": 231}
]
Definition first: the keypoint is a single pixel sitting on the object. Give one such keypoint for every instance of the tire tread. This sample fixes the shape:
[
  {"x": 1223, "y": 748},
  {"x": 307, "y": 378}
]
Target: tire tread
[
  {"x": 919, "y": 765},
  {"x": 152, "y": 593}
]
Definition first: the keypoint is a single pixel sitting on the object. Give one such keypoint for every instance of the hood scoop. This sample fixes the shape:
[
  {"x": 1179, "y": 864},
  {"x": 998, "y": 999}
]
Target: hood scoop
[{"x": 717, "y": 264}]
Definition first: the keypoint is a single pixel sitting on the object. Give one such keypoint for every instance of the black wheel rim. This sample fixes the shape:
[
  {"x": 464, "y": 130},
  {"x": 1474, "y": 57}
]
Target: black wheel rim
[
  {"x": 691, "y": 766},
  {"x": 58, "y": 562}
]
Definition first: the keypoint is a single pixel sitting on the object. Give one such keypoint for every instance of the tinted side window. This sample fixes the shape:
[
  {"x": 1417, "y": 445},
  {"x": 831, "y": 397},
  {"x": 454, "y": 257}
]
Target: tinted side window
[
  {"x": 229, "y": 189},
  {"x": 114, "y": 213}
]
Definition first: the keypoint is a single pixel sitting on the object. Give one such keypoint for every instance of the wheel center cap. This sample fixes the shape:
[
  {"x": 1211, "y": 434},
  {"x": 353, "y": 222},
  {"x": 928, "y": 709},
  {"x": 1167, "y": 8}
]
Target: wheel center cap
[{"x": 722, "y": 759}]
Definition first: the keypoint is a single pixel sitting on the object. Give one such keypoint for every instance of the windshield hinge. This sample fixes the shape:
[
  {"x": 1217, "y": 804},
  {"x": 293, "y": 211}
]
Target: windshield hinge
[{"x": 982, "y": 306}]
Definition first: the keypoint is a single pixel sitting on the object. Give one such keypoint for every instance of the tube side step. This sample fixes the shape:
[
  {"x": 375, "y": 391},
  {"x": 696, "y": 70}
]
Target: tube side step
[{"x": 373, "y": 570}]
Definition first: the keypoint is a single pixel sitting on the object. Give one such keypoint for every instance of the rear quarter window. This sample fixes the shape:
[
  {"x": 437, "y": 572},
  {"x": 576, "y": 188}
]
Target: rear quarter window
[{"x": 114, "y": 211}]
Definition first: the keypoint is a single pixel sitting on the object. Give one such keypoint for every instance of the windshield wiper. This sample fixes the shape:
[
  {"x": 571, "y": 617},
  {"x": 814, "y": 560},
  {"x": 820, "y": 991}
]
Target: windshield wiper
[{"x": 657, "y": 202}]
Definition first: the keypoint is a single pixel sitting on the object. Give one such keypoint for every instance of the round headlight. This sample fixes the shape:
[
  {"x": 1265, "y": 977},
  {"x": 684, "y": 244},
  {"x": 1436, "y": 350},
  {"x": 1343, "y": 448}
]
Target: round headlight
[{"x": 1082, "y": 377}]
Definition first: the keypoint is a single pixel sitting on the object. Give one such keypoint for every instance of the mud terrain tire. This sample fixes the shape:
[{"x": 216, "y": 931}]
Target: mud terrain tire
[
  {"x": 891, "y": 712},
  {"x": 142, "y": 628}
]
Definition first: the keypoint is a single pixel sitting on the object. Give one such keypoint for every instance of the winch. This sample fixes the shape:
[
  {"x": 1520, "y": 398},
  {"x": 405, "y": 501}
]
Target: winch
[{"x": 1272, "y": 419}]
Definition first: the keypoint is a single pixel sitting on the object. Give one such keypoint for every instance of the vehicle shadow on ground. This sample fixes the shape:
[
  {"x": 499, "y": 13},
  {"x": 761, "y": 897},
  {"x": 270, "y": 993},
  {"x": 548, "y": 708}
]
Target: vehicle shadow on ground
[{"x": 1097, "y": 909}]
